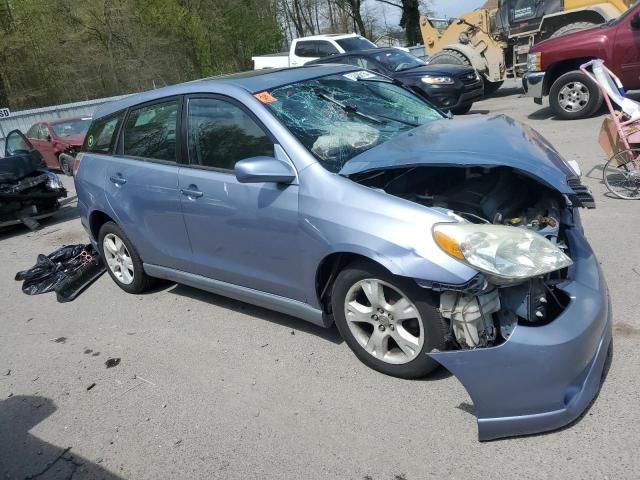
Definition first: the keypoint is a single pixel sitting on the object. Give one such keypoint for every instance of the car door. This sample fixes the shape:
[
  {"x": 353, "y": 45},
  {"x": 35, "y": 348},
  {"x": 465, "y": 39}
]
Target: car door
[
  {"x": 45, "y": 146},
  {"x": 241, "y": 233},
  {"x": 141, "y": 184},
  {"x": 33, "y": 134},
  {"x": 627, "y": 50}
]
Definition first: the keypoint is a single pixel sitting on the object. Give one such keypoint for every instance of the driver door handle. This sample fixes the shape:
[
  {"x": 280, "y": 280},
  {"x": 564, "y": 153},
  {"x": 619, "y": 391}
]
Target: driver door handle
[{"x": 191, "y": 193}]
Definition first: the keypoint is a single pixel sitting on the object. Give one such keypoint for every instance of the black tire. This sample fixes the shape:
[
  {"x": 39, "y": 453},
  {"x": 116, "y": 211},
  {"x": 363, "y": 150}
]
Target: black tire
[
  {"x": 571, "y": 28},
  {"x": 491, "y": 87},
  {"x": 66, "y": 164},
  {"x": 449, "y": 57},
  {"x": 434, "y": 326},
  {"x": 141, "y": 281},
  {"x": 575, "y": 80},
  {"x": 462, "y": 110}
]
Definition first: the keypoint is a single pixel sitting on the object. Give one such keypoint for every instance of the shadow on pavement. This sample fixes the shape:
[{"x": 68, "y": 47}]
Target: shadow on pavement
[
  {"x": 25, "y": 456},
  {"x": 330, "y": 334},
  {"x": 65, "y": 214}
]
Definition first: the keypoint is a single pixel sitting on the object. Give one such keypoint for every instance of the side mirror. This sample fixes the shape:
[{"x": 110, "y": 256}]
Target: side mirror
[
  {"x": 635, "y": 21},
  {"x": 264, "y": 169},
  {"x": 48, "y": 138}
]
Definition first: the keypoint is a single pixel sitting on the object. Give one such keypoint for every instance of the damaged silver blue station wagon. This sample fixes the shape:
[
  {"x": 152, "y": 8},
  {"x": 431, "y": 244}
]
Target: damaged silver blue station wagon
[{"x": 335, "y": 195}]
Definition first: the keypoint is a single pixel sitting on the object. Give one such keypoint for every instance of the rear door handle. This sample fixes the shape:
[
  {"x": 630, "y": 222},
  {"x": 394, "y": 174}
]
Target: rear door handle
[{"x": 118, "y": 180}]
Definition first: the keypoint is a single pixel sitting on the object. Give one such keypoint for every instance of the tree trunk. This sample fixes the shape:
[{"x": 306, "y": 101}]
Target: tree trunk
[{"x": 410, "y": 21}]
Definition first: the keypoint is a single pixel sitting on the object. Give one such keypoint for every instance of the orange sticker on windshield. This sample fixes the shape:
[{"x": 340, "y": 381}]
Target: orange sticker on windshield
[{"x": 265, "y": 97}]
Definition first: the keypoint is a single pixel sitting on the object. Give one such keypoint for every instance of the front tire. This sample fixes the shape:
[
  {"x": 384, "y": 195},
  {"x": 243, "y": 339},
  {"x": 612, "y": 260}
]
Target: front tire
[
  {"x": 388, "y": 322},
  {"x": 449, "y": 57},
  {"x": 463, "y": 110},
  {"x": 123, "y": 262},
  {"x": 574, "y": 96},
  {"x": 66, "y": 163}
]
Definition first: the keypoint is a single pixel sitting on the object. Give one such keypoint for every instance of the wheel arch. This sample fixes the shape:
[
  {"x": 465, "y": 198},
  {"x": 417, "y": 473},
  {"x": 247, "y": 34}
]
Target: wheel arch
[
  {"x": 333, "y": 263},
  {"x": 97, "y": 218},
  {"x": 558, "y": 69}
]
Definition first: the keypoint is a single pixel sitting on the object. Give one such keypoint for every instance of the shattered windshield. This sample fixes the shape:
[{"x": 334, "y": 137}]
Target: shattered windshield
[{"x": 340, "y": 116}]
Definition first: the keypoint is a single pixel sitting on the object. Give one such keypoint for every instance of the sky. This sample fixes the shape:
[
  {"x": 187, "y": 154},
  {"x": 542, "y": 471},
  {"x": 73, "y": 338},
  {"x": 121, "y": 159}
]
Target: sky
[
  {"x": 453, "y": 8},
  {"x": 442, "y": 8}
]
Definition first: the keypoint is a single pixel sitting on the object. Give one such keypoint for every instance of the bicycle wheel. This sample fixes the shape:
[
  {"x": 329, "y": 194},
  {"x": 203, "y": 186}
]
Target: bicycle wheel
[{"x": 622, "y": 174}]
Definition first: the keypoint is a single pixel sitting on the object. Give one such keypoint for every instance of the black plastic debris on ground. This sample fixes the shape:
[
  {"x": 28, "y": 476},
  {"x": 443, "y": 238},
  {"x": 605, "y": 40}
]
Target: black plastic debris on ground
[
  {"x": 67, "y": 271},
  {"x": 112, "y": 362}
]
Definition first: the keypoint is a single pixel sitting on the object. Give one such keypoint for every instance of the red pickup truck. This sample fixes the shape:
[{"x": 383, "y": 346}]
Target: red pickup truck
[{"x": 554, "y": 65}]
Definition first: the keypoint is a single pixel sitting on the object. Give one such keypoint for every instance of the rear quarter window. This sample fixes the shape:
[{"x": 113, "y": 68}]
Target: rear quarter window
[{"x": 101, "y": 135}]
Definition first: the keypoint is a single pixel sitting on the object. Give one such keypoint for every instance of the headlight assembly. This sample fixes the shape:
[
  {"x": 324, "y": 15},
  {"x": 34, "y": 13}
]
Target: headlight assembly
[
  {"x": 438, "y": 80},
  {"x": 504, "y": 254},
  {"x": 534, "y": 62}
]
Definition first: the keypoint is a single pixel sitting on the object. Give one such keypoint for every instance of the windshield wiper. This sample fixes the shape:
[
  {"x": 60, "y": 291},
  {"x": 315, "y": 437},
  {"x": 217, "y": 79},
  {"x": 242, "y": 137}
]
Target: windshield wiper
[{"x": 348, "y": 108}]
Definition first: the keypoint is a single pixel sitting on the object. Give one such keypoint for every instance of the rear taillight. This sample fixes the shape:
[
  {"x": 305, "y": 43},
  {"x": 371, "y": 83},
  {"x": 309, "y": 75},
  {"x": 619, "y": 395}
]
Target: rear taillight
[{"x": 76, "y": 163}]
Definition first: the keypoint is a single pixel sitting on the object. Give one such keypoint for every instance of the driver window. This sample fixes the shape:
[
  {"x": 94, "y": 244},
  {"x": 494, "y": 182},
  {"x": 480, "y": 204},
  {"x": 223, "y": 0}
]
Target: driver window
[
  {"x": 221, "y": 133},
  {"x": 44, "y": 132}
]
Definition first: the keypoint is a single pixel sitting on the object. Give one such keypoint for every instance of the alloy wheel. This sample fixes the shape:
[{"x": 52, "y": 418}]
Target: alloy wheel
[
  {"x": 118, "y": 258},
  {"x": 574, "y": 97},
  {"x": 384, "y": 321}
]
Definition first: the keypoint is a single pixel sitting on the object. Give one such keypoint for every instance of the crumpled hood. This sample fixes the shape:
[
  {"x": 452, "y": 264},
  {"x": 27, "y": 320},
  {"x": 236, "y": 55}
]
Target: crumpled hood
[{"x": 496, "y": 141}]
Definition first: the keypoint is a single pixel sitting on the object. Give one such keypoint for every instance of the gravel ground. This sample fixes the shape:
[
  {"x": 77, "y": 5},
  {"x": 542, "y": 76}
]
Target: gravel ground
[{"x": 212, "y": 388}]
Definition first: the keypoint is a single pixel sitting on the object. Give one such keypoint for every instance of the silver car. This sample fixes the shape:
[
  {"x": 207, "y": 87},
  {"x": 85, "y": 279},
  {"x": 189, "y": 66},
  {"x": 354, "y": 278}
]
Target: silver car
[{"x": 335, "y": 195}]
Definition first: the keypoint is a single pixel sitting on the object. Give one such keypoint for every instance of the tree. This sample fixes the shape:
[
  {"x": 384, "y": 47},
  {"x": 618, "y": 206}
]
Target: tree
[{"x": 410, "y": 19}]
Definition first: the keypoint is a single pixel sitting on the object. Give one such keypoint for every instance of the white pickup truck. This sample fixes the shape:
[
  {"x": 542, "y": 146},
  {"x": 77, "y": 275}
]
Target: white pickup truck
[{"x": 306, "y": 49}]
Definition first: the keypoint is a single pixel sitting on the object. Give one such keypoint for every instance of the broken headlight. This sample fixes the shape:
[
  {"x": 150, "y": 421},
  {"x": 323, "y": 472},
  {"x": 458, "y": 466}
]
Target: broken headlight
[
  {"x": 53, "y": 181},
  {"x": 504, "y": 254}
]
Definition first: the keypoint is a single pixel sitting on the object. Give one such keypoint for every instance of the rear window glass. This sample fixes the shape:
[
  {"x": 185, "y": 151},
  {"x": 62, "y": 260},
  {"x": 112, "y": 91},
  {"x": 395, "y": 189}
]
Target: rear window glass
[
  {"x": 150, "y": 131},
  {"x": 101, "y": 135}
]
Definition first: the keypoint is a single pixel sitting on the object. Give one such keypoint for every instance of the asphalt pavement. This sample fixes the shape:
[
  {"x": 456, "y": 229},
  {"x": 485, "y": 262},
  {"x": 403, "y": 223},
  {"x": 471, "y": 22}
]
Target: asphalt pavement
[{"x": 210, "y": 388}]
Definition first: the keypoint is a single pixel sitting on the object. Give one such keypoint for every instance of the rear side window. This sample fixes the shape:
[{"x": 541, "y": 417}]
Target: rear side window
[
  {"x": 306, "y": 49},
  {"x": 150, "y": 131},
  {"x": 101, "y": 135},
  {"x": 221, "y": 133},
  {"x": 325, "y": 49}
]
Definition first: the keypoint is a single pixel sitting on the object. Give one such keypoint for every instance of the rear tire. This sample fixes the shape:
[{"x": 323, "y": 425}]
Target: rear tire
[
  {"x": 574, "y": 96},
  {"x": 392, "y": 323},
  {"x": 122, "y": 260},
  {"x": 571, "y": 28}
]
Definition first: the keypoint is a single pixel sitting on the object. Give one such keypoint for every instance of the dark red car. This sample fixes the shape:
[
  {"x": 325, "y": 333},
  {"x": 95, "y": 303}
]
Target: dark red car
[
  {"x": 59, "y": 140},
  {"x": 554, "y": 65}
]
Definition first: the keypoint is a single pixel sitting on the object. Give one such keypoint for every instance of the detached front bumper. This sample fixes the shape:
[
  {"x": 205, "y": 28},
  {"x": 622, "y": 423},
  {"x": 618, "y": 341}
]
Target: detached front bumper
[
  {"x": 542, "y": 378},
  {"x": 533, "y": 84}
]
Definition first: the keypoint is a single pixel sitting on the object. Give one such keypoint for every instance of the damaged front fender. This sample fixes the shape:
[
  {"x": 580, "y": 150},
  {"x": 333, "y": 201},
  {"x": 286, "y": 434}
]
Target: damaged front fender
[{"x": 542, "y": 377}]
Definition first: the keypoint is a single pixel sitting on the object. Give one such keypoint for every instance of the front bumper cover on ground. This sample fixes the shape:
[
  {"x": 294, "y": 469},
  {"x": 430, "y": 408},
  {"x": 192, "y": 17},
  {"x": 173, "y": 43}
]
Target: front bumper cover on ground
[{"x": 542, "y": 378}]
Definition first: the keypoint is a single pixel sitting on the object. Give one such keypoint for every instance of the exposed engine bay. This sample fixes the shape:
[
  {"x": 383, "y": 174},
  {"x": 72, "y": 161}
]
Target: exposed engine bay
[{"x": 483, "y": 314}]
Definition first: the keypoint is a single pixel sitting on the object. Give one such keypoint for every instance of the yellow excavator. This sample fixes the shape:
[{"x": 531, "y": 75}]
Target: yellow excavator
[{"x": 496, "y": 38}]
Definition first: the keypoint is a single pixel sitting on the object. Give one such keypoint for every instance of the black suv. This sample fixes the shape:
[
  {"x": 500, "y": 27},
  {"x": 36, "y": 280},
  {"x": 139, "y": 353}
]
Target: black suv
[{"x": 449, "y": 87}]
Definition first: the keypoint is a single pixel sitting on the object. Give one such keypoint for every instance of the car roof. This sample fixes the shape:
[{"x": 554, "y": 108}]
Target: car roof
[
  {"x": 251, "y": 81},
  {"x": 68, "y": 119},
  {"x": 333, "y": 36},
  {"x": 367, "y": 52}
]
